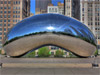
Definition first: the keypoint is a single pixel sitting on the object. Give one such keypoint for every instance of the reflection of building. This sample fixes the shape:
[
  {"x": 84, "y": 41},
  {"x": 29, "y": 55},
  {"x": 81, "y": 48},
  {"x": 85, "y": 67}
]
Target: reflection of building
[
  {"x": 90, "y": 15},
  {"x": 41, "y": 6},
  {"x": 59, "y": 9},
  {"x": 72, "y": 8},
  {"x": 11, "y": 12}
]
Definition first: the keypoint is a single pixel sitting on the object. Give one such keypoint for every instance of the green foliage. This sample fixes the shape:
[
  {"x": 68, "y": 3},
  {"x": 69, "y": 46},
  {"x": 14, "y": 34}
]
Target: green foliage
[
  {"x": 96, "y": 52},
  {"x": 59, "y": 53},
  {"x": 0, "y": 51},
  {"x": 30, "y": 55},
  {"x": 71, "y": 55},
  {"x": 43, "y": 52}
]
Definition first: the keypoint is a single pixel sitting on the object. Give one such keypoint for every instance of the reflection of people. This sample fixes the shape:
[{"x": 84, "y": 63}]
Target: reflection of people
[
  {"x": 0, "y": 65},
  {"x": 96, "y": 55},
  {"x": 95, "y": 63}
]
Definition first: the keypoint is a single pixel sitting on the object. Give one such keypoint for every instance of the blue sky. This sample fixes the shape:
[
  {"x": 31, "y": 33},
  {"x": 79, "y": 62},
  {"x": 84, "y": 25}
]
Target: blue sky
[{"x": 33, "y": 4}]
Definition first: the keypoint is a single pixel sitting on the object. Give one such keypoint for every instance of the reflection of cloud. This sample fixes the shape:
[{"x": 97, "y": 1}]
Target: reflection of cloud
[{"x": 50, "y": 28}]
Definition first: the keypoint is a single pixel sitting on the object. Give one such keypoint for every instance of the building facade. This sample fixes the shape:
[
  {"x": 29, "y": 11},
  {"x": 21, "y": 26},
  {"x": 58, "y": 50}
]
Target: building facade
[
  {"x": 11, "y": 12},
  {"x": 90, "y": 15},
  {"x": 59, "y": 9},
  {"x": 41, "y": 6},
  {"x": 53, "y": 9},
  {"x": 72, "y": 8}
]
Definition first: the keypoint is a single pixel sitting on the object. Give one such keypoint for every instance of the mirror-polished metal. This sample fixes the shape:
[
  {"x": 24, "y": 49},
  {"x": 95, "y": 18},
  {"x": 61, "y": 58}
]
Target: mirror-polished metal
[{"x": 53, "y": 29}]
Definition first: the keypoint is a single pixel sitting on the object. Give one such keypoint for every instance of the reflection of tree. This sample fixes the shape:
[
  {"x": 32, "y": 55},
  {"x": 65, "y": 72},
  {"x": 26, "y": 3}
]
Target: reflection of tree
[
  {"x": 43, "y": 52},
  {"x": 58, "y": 33},
  {"x": 87, "y": 35},
  {"x": 83, "y": 38},
  {"x": 59, "y": 53},
  {"x": 23, "y": 36},
  {"x": 68, "y": 31}
]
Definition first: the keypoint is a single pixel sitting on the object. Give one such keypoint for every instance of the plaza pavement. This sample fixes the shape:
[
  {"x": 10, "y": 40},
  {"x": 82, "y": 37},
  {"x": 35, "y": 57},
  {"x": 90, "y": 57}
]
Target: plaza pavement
[
  {"x": 49, "y": 66},
  {"x": 50, "y": 62},
  {"x": 49, "y": 71}
]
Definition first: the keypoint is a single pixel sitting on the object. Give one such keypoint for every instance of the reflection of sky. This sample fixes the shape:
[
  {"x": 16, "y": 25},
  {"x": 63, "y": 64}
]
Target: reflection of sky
[{"x": 50, "y": 23}]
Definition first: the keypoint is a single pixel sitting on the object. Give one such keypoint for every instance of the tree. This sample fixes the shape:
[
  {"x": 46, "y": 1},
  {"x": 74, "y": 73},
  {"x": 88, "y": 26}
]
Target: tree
[
  {"x": 44, "y": 52},
  {"x": 59, "y": 53}
]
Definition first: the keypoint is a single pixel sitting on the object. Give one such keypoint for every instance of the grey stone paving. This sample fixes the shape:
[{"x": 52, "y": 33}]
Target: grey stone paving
[
  {"x": 49, "y": 60},
  {"x": 50, "y": 71}
]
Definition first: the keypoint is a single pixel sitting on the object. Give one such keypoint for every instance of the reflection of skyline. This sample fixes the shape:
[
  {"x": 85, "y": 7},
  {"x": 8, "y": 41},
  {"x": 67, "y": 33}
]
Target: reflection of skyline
[{"x": 50, "y": 23}]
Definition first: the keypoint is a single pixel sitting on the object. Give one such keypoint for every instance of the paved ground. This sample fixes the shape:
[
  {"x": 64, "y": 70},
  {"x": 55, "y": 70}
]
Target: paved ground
[
  {"x": 49, "y": 60},
  {"x": 49, "y": 71},
  {"x": 31, "y": 62},
  {"x": 51, "y": 66}
]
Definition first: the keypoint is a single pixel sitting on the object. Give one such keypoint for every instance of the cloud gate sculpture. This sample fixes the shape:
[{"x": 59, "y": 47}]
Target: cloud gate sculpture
[{"x": 50, "y": 29}]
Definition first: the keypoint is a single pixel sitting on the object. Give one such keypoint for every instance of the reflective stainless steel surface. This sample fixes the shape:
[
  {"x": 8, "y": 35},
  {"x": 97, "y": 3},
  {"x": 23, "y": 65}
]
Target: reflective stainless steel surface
[{"x": 49, "y": 23}]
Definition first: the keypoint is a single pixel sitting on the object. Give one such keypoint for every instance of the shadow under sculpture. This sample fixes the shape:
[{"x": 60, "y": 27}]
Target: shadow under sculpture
[{"x": 50, "y": 29}]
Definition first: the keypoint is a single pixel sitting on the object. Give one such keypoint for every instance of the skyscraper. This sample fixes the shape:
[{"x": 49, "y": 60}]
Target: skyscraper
[
  {"x": 90, "y": 15},
  {"x": 11, "y": 12},
  {"x": 41, "y": 6},
  {"x": 72, "y": 8}
]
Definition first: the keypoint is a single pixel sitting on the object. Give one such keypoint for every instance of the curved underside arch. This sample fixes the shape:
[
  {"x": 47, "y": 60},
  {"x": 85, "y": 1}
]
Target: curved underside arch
[
  {"x": 25, "y": 44},
  {"x": 44, "y": 46}
]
